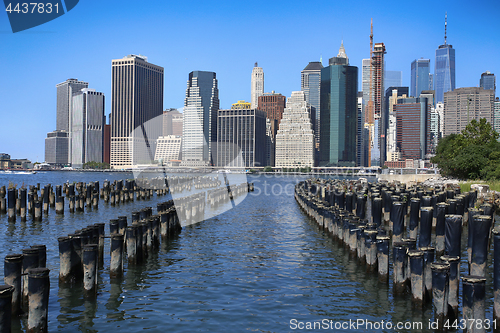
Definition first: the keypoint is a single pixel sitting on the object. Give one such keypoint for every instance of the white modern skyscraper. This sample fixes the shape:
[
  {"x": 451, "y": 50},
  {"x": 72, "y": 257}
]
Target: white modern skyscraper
[
  {"x": 199, "y": 130},
  {"x": 435, "y": 131},
  {"x": 257, "y": 88},
  {"x": 87, "y": 124},
  {"x": 65, "y": 90},
  {"x": 439, "y": 108},
  {"x": 295, "y": 138}
]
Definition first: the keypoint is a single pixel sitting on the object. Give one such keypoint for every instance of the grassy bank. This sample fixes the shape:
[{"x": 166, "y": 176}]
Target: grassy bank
[{"x": 494, "y": 185}]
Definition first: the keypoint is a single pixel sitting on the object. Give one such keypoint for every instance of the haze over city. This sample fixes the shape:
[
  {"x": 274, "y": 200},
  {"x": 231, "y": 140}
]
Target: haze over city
[{"x": 226, "y": 38}]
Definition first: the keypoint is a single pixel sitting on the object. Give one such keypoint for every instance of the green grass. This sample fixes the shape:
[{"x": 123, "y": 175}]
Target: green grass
[{"x": 494, "y": 185}]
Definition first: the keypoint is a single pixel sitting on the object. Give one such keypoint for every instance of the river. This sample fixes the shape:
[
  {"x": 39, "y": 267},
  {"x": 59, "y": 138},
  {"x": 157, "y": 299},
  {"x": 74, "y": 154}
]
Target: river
[{"x": 261, "y": 266}]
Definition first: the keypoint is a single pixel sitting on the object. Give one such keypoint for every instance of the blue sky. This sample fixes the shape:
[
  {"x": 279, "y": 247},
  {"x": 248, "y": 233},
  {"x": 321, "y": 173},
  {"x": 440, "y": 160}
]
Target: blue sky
[{"x": 226, "y": 37}]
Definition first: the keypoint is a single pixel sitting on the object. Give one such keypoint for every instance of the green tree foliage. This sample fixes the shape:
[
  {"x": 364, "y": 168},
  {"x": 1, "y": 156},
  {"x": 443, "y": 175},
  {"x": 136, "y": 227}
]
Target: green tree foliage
[
  {"x": 96, "y": 165},
  {"x": 473, "y": 154}
]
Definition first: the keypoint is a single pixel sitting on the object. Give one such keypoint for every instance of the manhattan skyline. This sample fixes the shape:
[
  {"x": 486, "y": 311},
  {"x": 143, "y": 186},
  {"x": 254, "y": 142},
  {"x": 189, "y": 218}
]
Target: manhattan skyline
[{"x": 213, "y": 37}]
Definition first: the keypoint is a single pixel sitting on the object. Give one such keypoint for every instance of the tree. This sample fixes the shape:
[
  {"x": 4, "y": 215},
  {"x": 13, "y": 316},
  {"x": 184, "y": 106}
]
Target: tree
[
  {"x": 268, "y": 169},
  {"x": 95, "y": 165},
  {"x": 473, "y": 154}
]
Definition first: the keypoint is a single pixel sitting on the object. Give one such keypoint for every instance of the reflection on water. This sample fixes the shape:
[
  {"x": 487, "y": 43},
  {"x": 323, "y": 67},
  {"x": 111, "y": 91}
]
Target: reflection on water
[{"x": 252, "y": 268}]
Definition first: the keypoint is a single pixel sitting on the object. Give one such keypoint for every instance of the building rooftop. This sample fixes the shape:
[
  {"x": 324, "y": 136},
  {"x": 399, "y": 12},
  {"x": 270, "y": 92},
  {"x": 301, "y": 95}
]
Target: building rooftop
[{"x": 314, "y": 65}]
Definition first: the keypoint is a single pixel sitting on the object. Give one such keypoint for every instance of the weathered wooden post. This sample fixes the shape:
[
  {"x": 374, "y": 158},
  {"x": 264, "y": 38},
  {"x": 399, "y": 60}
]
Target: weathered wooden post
[
  {"x": 13, "y": 266},
  {"x": 453, "y": 234},
  {"x": 417, "y": 270},
  {"x": 46, "y": 199},
  {"x": 399, "y": 268},
  {"x": 38, "y": 210},
  {"x": 116, "y": 265},
  {"x": 76, "y": 256},
  {"x": 30, "y": 261},
  {"x": 90, "y": 269},
  {"x": 441, "y": 210},
  {"x": 11, "y": 196},
  {"x": 429, "y": 253},
  {"x": 383, "y": 257},
  {"x": 440, "y": 285},
  {"x": 425, "y": 226},
  {"x": 480, "y": 242},
  {"x": 38, "y": 286},
  {"x": 454, "y": 280},
  {"x": 474, "y": 303},
  {"x": 114, "y": 227},
  {"x": 131, "y": 245},
  {"x": 397, "y": 219},
  {"x": 22, "y": 204},
  {"x": 65, "y": 257},
  {"x": 42, "y": 254},
  {"x": 414, "y": 217},
  {"x": 6, "y": 292}
]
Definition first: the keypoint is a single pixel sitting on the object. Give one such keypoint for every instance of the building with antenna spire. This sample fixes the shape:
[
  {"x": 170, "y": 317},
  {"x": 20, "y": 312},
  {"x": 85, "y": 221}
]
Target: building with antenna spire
[{"x": 444, "y": 70}]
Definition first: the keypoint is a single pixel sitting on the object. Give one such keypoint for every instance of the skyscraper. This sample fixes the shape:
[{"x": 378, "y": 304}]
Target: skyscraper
[
  {"x": 393, "y": 79},
  {"x": 487, "y": 81},
  {"x": 137, "y": 97},
  {"x": 295, "y": 138},
  {"x": 56, "y": 148},
  {"x": 444, "y": 70},
  {"x": 496, "y": 115},
  {"x": 87, "y": 123},
  {"x": 362, "y": 134},
  {"x": 271, "y": 130},
  {"x": 420, "y": 76},
  {"x": 257, "y": 88},
  {"x": 365, "y": 80},
  {"x": 464, "y": 104},
  {"x": 310, "y": 82},
  {"x": 339, "y": 109},
  {"x": 65, "y": 90},
  {"x": 199, "y": 132},
  {"x": 241, "y": 138},
  {"x": 413, "y": 127},
  {"x": 172, "y": 122},
  {"x": 273, "y": 105},
  {"x": 379, "y": 119},
  {"x": 388, "y": 137}
]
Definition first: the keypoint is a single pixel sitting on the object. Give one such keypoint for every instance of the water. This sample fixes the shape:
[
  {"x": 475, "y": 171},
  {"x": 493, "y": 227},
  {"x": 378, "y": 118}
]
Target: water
[{"x": 262, "y": 266}]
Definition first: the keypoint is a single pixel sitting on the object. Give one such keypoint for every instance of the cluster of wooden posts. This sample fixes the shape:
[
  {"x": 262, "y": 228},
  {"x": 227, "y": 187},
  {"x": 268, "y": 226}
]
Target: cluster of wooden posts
[
  {"x": 27, "y": 284},
  {"x": 369, "y": 219},
  {"x": 81, "y": 253},
  {"x": 178, "y": 184},
  {"x": 36, "y": 201}
]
